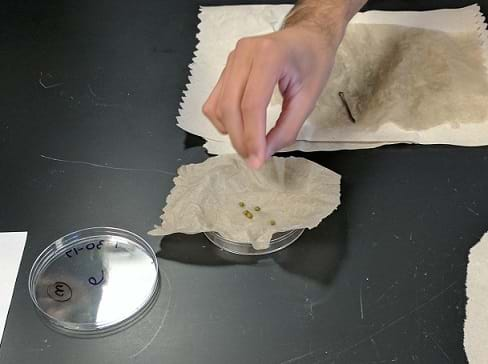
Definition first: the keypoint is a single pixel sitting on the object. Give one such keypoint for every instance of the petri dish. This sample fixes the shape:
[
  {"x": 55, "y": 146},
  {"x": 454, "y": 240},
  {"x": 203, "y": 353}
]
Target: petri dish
[
  {"x": 278, "y": 242},
  {"x": 94, "y": 281}
]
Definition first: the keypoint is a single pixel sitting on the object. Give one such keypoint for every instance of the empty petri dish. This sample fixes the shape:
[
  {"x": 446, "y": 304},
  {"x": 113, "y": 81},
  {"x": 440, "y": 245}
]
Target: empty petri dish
[
  {"x": 278, "y": 242},
  {"x": 94, "y": 281}
]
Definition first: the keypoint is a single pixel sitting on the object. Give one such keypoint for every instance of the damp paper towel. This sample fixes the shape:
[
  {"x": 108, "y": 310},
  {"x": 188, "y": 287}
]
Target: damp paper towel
[
  {"x": 476, "y": 324},
  {"x": 291, "y": 193},
  {"x": 422, "y": 79}
]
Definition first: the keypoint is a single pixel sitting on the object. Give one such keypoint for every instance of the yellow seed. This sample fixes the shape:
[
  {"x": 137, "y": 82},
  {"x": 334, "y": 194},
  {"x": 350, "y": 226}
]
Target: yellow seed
[
  {"x": 242, "y": 204},
  {"x": 257, "y": 208},
  {"x": 272, "y": 222},
  {"x": 248, "y": 214}
]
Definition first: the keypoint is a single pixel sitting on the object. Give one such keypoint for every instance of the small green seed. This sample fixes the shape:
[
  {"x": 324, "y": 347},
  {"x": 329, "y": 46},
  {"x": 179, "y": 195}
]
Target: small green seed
[
  {"x": 242, "y": 204},
  {"x": 272, "y": 222},
  {"x": 257, "y": 208},
  {"x": 248, "y": 214}
]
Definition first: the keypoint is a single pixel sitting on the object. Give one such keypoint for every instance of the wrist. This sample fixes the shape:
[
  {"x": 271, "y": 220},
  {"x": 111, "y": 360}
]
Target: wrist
[{"x": 327, "y": 18}]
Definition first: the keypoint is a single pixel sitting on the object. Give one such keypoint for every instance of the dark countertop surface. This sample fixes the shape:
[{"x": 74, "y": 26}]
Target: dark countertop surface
[{"x": 382, "y": 280}]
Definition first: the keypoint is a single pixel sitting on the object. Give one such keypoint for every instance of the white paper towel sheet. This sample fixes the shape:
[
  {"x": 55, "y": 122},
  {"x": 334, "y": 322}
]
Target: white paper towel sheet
[
  {"x": 476, "y": 324},
  {"x": 221, "y": 27},
  {"x": 12, "y": 245}
]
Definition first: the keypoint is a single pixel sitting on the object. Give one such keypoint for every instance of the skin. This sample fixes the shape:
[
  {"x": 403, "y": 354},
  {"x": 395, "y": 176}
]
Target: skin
[{"x": 298, "y": 58}]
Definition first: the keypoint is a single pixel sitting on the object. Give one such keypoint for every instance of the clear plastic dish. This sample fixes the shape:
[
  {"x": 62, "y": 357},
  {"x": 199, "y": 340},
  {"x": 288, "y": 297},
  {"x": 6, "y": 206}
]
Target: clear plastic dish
[
  {"x": 94, "y": 281},
  {"x": 278, "y": 242}
]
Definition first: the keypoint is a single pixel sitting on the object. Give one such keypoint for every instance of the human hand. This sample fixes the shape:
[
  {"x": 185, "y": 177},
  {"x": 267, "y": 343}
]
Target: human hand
[{"x": 299, "y": 60}]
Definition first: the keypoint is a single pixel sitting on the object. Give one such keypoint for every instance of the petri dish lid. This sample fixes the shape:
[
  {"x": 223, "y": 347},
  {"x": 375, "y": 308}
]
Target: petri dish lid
[
  {"x": 278, "y": 242},
  {"x": 94, "y": 281}
]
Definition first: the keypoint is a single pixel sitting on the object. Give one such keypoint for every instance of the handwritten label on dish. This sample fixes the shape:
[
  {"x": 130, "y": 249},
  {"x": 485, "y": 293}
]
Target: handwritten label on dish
[{"x": 89, "y": 246}]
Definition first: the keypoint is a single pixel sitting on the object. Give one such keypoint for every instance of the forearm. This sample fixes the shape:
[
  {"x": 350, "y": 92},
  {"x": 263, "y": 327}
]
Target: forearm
[{"x": 324, "y": 15}]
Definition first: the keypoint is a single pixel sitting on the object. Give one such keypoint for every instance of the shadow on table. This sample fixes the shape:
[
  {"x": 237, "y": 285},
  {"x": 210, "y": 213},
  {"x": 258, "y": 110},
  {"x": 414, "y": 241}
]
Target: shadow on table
[
  {"x": 317, "y": 254},
  {"x": 192, "y": 141}
]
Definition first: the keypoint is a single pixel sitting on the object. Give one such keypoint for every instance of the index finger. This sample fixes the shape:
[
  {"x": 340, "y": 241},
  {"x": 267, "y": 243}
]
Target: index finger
[{"x": 263, "y": 77}]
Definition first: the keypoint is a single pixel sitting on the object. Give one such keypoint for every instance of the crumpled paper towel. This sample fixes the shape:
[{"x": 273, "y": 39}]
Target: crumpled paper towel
[
  {"x": 221, "y": 27},
  {"x": 293, "y": 192},
  {"x": 476, "y": 324}
]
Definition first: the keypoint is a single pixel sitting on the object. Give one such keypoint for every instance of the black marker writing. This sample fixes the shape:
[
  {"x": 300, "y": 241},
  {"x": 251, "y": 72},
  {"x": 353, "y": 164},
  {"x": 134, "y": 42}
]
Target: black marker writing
[
  {"x": 90, "y": 246},
  {"x": 93, "y": 281},
  {"x": 59, "y": 291}
]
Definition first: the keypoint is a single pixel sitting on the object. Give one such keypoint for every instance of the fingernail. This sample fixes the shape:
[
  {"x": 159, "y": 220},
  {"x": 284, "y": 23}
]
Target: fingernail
[{"x": 254, "y": 162}]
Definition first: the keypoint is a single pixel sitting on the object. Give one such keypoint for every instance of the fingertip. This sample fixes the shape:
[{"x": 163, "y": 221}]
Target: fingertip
[
  {"x": 256, "y": 146},
  {"x": 254, "y": 162}
]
